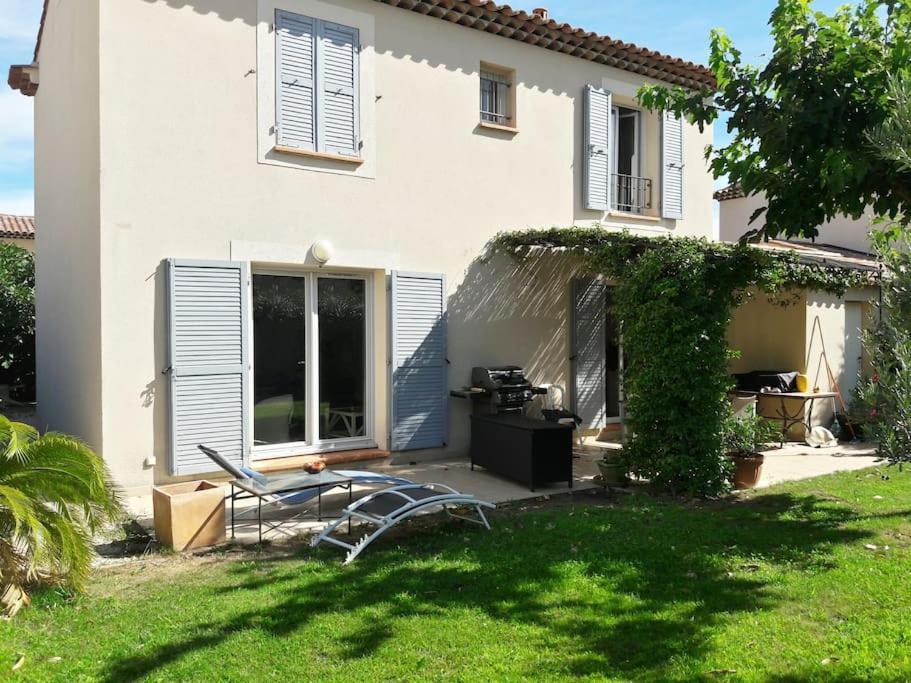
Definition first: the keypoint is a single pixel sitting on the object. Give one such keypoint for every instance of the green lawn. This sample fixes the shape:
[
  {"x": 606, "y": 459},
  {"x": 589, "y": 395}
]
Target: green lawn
[{"x": 785, "y": 586}]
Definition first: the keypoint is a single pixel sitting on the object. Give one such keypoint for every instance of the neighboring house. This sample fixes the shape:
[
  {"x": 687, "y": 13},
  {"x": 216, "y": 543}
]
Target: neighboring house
[
  {"x": 267, "y": 219},
  {"x": 821, "y": 328},
  {"x": 736, "y": 208},
  {"x": 18, "y": 230}
]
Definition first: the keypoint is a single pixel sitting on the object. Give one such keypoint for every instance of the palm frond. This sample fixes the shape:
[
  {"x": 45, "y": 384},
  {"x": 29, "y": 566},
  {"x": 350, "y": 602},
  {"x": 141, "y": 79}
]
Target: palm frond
[
  {"x": 54, "y": 493},
  {"x": 15, "y": 438}
]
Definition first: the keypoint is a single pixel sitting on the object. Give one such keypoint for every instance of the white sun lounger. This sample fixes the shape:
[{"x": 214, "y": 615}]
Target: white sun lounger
[{"x": 384, "y": 509}]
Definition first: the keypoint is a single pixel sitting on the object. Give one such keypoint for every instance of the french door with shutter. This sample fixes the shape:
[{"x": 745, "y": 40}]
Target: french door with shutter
[
  {"x": 312, "y": 363},
  {"x": 597, "y": 355}
]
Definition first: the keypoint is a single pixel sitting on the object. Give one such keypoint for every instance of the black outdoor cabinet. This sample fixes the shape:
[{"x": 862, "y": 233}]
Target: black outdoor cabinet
[{"x": 532, "y": 452}]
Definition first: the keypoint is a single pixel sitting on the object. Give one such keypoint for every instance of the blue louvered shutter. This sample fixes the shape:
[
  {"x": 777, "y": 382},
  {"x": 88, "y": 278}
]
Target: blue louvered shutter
[
  {"x": 337, "y": 88},
  {"x": 597, "y": 152},
  {"x": 671, "y": 166},
  {"x": 420, "y": 396},
  {"x": 296, "y": 82},
  {"x": 589, "y": 351},
  {"x": 207, "y": 323}
]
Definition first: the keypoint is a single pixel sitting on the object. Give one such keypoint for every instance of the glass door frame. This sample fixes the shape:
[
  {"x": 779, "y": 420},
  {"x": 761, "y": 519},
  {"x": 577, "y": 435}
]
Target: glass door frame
[
  {"x": 313, "y": 443},
  {"x": 621, "y": 398}
]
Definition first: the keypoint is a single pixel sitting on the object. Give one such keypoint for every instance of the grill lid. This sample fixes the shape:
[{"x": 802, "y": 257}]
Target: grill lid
[{"x": 497, "y": 377}]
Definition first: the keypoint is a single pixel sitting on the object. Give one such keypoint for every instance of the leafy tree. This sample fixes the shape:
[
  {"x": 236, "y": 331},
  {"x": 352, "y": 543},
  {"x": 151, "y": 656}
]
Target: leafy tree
[
  {"x": 801, "y": 124},
  {"x": 17, "y": 316},
  {"x": 54, "y": 493}
]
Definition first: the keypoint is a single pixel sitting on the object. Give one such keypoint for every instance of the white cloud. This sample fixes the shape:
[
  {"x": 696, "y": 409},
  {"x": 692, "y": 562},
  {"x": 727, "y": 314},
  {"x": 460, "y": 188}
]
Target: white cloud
[{"x": 17, "y": 202}]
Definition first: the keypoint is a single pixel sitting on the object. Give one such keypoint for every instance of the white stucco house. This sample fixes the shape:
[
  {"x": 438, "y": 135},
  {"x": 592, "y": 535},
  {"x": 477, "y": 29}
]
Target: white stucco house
[{"x": 264, "y": 221}]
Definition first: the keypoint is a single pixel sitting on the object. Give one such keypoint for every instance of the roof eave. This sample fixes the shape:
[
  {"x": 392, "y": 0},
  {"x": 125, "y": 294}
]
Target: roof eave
[{"x": 502, "y": 20}]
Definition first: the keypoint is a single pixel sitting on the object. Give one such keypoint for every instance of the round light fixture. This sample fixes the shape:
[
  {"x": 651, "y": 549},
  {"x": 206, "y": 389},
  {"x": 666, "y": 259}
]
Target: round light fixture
[{"x": 321, "y": 251}]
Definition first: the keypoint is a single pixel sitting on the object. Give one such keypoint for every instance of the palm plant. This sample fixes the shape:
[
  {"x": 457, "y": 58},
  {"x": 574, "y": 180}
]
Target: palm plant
[{"x": 54, "y": 493}]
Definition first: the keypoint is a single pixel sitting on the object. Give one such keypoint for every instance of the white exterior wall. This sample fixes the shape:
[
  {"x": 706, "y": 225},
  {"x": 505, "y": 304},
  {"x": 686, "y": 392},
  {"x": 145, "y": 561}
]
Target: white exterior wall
[
  {"x": 734, "y": 220},
  {"x": 187, "y": 171},
  {"x": 68, "y": 313}
]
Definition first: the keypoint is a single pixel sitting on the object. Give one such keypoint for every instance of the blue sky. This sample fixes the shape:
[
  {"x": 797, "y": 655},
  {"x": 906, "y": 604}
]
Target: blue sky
[{"x": 676, "y": 27}]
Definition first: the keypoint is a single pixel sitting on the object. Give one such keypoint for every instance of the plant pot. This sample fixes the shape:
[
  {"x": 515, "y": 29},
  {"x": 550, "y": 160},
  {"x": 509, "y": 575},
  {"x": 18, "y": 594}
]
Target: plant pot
[
  {"x": 612, "y": 473},
  {"x": 189, "y": 515},
  {"x": 747, "y": 470}
]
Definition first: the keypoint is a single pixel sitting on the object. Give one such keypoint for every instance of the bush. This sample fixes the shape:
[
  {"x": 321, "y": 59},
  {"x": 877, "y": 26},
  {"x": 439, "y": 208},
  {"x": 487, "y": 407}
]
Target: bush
[
  {"x": 886, "y": 395},
  {"x": 17, "y": 319},
  {"x": 747, "y": 434}
]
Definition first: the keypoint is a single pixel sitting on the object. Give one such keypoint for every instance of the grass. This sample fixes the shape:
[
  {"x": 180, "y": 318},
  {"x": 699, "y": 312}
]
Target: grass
[{"x": 785, "y": 585}]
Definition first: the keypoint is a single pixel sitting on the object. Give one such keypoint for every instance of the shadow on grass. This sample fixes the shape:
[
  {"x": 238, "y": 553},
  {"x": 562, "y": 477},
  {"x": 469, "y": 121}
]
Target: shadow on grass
[{"x": 659, "y": 574}]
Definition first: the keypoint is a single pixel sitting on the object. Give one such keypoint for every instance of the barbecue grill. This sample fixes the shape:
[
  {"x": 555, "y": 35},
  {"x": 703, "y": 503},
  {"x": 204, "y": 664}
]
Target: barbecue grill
[
  {"x": 505, "y": 390},
  {"x": 506, "y": 442}
]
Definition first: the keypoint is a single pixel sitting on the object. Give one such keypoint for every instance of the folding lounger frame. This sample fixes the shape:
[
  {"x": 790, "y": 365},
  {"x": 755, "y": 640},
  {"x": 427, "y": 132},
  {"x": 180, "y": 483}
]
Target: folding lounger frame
[{"x": 421, "y": 498}]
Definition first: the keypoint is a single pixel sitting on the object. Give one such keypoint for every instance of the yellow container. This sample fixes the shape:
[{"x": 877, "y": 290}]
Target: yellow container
[{"x": 803, "y": 383}]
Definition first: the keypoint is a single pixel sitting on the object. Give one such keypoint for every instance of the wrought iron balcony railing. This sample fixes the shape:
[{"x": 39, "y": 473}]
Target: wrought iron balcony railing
[{"x": 631, "y": 194}]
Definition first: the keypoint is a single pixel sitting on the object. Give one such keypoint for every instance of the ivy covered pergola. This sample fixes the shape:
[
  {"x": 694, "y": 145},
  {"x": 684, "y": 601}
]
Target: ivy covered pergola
[{"x": 675, "y": 298}]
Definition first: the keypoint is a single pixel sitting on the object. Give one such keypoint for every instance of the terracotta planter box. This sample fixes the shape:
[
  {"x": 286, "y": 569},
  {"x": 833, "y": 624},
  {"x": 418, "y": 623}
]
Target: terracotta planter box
[{"x": 189, "y": 515}]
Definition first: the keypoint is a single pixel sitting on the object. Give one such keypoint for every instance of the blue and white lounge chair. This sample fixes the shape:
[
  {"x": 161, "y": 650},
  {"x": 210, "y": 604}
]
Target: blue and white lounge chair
[
  {"x": 292, "y": 500},
  {"x": 384, "y": 509}
]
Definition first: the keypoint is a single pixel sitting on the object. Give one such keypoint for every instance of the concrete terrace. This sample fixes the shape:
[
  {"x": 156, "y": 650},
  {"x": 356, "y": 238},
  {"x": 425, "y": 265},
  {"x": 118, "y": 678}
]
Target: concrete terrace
[{"x": 792, "y": 463}]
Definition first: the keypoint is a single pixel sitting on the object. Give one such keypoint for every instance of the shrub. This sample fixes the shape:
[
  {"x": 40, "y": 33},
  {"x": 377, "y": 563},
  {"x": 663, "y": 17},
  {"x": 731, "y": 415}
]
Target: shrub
[
  {"x": 748, "y": 433},
  {"x": 886, "y": 394},
  {"x": 17, "y": 318}
]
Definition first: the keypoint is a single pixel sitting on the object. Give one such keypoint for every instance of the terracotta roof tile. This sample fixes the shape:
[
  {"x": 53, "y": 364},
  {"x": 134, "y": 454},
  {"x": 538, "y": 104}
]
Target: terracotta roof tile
[
  {"x": 538, "y": 29},
  {"x": 17, "y": 227},
  {"x": 824, "y": 254},
  {"x": 729, "y": 192}
]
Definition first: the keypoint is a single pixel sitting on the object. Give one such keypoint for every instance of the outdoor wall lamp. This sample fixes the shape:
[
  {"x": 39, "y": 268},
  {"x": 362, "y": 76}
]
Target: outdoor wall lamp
[{"x": 322, "y": 251}]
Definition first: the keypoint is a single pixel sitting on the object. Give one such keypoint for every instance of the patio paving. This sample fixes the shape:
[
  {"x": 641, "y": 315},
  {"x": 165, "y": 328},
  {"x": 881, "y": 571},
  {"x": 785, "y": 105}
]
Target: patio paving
[
  {"x": 791, "y": 463},
  {"x": 798, "y": 461}
]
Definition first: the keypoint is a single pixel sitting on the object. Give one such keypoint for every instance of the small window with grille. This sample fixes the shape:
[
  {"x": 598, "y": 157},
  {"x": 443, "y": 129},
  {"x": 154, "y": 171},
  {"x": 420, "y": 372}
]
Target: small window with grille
[{"x": 497, "y": 96}]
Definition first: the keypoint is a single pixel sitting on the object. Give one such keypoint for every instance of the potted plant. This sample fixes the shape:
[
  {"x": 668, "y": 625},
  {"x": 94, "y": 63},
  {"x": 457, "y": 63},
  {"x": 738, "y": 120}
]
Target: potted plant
[
  {"x": 744, "y": 435},
  {"x": 613, "y": 468}
]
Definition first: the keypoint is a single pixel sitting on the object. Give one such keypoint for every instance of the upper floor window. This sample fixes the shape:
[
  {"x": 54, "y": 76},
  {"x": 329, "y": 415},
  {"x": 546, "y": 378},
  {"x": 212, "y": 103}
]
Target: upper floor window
[
  {"x": 317, "y": 89},
  {"x": 614, "y": 159},
  {"x": 497, "y": 96},
  {"x": 630, "y": 192}
]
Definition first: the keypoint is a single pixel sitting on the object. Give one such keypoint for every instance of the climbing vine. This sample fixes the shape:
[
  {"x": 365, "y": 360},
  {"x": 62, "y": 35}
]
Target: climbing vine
[{"x": 675, "y": 298}]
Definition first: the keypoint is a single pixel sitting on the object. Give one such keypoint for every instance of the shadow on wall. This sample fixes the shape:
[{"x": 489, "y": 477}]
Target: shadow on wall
[
  {"x": 156, "y": 394},
  {"x": 503, "y": 312},
  {"x": 511, "y": 312},
  {"x": 413, "y": 43}
]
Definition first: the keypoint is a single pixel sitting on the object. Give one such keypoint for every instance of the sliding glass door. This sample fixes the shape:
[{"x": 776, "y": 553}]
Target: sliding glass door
[
  {"x": 311, "y": 363},
  {"x": 341, "y": 306},
  {"x": 279, "y": 359}
]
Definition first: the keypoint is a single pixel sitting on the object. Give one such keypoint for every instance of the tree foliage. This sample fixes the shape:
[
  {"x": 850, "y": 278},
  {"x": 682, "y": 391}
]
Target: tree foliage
[
  {"x": 675, "y": 298},
  {"x": 17, "y": 315},
  {"x": 54, "y": 493},
  {"x": 886, "y": 394},
  {"x": 801, "y": 124}
]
